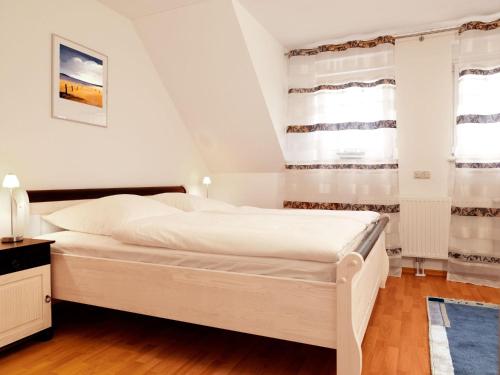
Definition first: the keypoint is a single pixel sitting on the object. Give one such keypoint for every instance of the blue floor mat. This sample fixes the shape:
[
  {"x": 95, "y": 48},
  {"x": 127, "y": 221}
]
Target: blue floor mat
[{"x": 472, "y": 331}]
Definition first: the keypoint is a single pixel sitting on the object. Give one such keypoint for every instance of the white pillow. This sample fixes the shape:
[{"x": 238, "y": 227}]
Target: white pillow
[
  {"x": 101, "y": 216},
  {"x": 188, "y": 202}
]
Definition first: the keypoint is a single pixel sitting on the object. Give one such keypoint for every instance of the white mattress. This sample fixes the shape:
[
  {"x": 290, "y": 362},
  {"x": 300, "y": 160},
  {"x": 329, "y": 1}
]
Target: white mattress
[{"x": 97, "y": 246}]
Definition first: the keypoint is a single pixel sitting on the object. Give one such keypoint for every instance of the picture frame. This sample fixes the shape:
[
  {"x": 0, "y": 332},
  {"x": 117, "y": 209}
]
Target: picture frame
[{"x": 79, "y": 83}]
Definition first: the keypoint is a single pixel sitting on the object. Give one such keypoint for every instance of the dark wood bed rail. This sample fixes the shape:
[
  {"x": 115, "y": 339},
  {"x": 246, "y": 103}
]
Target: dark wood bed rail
[
  {"x": 77, "y": 194},
  {"x": 369, "y": 240}
]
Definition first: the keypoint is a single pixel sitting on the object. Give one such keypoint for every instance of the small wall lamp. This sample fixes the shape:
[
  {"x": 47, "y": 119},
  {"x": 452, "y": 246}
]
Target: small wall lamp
[{"x": 206, "y": 181}]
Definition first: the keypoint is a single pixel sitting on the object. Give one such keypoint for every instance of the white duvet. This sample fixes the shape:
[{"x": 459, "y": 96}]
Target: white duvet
[
  {"x": 365, "y": 217},
  {"x": 252, "y": 232}
]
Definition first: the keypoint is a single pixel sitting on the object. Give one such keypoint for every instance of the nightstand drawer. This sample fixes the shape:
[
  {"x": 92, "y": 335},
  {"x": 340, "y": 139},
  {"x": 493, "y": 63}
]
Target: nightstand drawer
[
  {"x": 24, "y": 306},
  {"x": 23, "y": 258}
]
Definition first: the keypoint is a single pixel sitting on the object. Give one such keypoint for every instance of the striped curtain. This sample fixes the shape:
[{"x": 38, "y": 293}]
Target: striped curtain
[
  {"x": 341, "y": 134},
  {"x": 474, "y": 254}
]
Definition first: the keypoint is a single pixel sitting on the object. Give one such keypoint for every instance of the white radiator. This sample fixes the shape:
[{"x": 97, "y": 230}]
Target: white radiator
[{"x": 425, "y": 227}]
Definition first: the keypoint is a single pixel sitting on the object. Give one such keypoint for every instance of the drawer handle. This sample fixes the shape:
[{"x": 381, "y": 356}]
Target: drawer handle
[{"x": 48, "y": 298}]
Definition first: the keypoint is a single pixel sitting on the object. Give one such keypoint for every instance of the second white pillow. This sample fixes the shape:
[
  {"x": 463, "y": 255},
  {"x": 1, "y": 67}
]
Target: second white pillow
[{"x": 189, "y": 202}]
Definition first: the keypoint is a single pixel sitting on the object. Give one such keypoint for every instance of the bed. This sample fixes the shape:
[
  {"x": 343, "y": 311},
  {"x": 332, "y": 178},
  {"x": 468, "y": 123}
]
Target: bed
[{"x": 327, "y": 305}]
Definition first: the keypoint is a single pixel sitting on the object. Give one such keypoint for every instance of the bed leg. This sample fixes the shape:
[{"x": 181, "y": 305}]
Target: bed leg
[
  {"x": 349, "y": 356},
  {"x": 383, "y": 282},
  {"x": 385, "y": 262}
]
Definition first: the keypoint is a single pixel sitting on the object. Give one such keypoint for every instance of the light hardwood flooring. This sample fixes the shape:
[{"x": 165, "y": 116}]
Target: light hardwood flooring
[{"x": 89, "y": 340}]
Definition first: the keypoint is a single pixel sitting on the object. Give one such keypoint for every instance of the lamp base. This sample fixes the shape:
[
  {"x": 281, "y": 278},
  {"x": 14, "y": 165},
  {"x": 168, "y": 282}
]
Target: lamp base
[{"x": 11, "y": 239}]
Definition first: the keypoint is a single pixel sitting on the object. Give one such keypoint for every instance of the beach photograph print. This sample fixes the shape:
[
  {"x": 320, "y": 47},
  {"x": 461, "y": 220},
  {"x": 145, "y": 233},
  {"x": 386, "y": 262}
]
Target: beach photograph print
[
  {"x": 79, "y": 79},
  {"x": 80, "y": 76}
]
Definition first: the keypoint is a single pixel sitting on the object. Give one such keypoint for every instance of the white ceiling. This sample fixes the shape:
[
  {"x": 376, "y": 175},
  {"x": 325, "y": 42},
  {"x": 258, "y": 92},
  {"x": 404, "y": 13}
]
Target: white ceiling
[
  {"x": 299, "y": 22},
  {"x": 134, "y": 9}
]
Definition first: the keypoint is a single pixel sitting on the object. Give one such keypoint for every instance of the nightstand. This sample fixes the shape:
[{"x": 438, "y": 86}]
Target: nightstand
[{"x": 25, "y": 302}]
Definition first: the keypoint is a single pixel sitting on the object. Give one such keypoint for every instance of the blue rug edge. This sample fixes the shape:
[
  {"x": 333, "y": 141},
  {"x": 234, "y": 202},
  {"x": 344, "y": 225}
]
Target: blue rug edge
[
  {"x": 453, "y": 301},
  {"x": 462, "y": 302}
]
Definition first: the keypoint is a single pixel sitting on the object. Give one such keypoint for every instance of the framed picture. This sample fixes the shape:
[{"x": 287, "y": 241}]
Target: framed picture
[{"x": 79, "y": 83}]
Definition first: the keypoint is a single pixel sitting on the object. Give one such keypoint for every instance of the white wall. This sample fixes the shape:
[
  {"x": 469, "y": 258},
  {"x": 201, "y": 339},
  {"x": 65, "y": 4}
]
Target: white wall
[
  {"x": 145, "y": 143},
  {"x": 424, "y": 103},
  {"x": 253, "y": 189},
  {"x": 425, "y": 115}
]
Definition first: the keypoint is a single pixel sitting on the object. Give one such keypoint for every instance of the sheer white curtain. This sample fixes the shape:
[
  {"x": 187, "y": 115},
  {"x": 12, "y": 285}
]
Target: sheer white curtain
[
  {"x": 474, "y": 254},
  {"x": 341, "y": 138}
]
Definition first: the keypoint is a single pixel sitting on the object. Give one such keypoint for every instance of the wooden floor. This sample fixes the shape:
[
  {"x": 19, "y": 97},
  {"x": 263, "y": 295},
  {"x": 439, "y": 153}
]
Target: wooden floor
[{"x": 90, "y": 340}]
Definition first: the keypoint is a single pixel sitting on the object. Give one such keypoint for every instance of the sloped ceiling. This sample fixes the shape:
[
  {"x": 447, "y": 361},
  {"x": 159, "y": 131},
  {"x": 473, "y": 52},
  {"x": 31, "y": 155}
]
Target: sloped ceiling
[
  {"x": 270, "y": 64},
  {"x": 201, "y": 55}
]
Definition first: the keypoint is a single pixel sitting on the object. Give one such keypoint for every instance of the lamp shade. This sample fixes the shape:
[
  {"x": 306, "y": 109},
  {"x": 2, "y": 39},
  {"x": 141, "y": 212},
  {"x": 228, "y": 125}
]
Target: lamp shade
[
  {"x": 10, "y": 181},
  {"x": 207, "y": 180}
]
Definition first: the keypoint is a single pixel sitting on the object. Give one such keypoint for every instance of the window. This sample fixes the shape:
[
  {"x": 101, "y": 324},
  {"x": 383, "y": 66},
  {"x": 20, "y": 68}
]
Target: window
[
  {"x": 342, "y": 107},
  {"x": 478, "y": 114},
  {"x": 474, "y": 249},
  {"x": 341, "y": 134}
]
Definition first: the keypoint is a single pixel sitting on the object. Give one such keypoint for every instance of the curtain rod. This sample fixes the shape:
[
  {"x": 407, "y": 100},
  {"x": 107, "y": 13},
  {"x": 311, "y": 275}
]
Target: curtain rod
[
  {"x": 429, "y": 32},
  {"x": 421, "y": 34},
  {"x": 471, "y": 25}
]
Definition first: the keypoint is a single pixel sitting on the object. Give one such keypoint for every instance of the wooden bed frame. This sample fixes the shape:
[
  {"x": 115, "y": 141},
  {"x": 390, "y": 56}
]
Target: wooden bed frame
[{"x": 332, "y": 315}]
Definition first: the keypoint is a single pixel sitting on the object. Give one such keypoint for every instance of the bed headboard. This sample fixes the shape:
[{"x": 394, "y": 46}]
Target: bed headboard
[
  {"x": 43, "y": 202},
  {"x": 78, "y": 194}
]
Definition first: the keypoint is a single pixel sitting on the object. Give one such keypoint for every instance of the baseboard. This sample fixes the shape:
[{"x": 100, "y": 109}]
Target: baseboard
[
  {"x": 429, "y": 264},
  {"x": 428, "y": 272}
]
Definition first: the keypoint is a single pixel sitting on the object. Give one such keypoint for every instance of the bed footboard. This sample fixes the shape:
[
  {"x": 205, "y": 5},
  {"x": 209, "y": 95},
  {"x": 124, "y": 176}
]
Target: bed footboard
[
  {"x": 349, "y": 355},
  {"x": 359, "y": 277}
]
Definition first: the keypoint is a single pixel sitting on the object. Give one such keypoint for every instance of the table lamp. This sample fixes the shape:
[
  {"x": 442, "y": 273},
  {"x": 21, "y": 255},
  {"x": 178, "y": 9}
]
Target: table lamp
[{"x": 11, "y": 182}]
